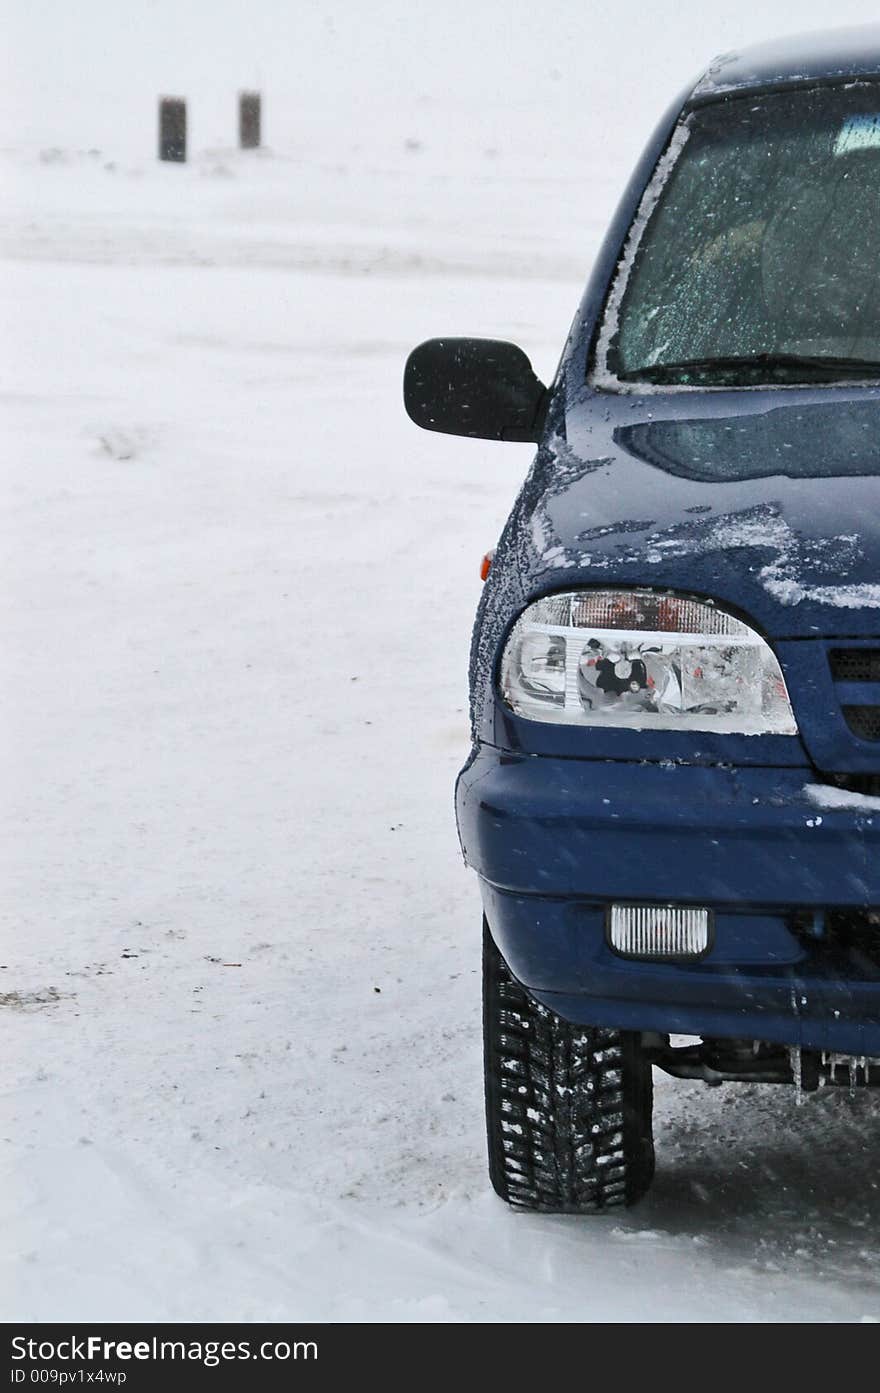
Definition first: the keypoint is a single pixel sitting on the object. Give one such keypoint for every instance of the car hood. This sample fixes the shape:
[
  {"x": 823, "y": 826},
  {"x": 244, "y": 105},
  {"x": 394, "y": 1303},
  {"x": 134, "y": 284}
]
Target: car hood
[{"x": 774, "y": 509}]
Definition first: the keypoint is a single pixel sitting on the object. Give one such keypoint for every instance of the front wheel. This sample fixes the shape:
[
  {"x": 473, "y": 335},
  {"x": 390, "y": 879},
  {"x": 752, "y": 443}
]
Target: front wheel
[{"x": 568, "y": 1107}]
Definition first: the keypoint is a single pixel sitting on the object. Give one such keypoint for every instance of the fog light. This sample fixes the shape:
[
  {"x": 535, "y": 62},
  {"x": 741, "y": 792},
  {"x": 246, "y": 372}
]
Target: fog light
[{"x": 659, "y": 931}]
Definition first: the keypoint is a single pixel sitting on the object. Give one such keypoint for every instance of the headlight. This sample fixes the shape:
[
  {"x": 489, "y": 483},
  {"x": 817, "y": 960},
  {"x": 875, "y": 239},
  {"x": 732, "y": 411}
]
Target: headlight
[{"x": 643, "y": 661}]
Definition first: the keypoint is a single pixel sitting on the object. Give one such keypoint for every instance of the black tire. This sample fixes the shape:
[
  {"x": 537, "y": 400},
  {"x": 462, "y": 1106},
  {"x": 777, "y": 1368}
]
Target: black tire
[{"x": 568, "y": 1107}]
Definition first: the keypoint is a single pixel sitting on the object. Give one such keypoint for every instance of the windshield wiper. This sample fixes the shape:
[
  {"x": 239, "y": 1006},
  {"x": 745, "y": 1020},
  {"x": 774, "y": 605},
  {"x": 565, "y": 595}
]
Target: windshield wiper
[{"x": 754, "y": 367}]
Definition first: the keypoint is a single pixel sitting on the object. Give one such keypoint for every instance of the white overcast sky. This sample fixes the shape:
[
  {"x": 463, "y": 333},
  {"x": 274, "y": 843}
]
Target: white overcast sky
[{"x": 87, "y": 72}]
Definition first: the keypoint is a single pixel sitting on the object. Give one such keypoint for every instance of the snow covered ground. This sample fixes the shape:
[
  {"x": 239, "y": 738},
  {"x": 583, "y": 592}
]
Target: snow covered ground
[{"x": 239, "y": 997}]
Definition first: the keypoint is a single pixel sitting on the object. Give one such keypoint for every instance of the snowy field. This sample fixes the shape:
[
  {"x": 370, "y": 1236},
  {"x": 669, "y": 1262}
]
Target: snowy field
[{"x": 240, "y": 988}]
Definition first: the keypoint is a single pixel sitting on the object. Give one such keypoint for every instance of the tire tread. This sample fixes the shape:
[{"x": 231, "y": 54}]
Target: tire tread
[{"x": 568, "y": 1107}]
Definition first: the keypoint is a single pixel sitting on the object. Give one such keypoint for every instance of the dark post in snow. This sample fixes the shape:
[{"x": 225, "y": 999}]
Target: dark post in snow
[
  {"x": 172, "y": 128},
  {"x": 249, "y": 120}
]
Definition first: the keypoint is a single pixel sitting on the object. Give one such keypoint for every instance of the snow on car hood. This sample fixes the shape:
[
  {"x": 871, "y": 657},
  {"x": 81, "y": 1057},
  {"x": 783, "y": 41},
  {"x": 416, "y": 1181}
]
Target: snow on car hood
[
  {"x": 776, "y": 511},
  {"x": 772, "y": 509}
]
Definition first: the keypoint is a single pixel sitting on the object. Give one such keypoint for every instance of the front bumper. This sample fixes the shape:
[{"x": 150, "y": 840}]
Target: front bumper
[{"x": 555, "y": 840}]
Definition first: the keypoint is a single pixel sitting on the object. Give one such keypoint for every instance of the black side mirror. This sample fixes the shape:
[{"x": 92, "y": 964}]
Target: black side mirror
[{"x": 478, "y": 387}]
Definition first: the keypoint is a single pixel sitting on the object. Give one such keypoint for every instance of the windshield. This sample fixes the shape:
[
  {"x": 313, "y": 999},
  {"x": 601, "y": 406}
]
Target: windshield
[{"x": 757, "y": 258}]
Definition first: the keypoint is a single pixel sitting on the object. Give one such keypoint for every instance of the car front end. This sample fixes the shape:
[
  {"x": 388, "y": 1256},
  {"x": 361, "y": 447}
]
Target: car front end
[{"x": 672, "y": 798}]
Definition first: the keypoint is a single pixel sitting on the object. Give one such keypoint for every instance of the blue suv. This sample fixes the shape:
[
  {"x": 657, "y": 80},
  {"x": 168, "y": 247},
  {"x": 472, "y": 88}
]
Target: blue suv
[{"x": 672, "y": 800}]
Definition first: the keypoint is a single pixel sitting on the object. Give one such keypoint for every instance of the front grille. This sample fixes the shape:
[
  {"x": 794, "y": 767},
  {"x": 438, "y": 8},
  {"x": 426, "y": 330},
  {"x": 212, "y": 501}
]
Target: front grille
[
  {"x": 863, "y": 721},
  {"x": 855, "y": 664},
  {"x": 857, "y": 933}
]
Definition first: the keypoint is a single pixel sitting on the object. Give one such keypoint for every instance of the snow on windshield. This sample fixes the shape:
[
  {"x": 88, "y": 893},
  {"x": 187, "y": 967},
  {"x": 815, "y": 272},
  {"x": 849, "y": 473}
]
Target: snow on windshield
[{"x": 757, "y": 238}]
